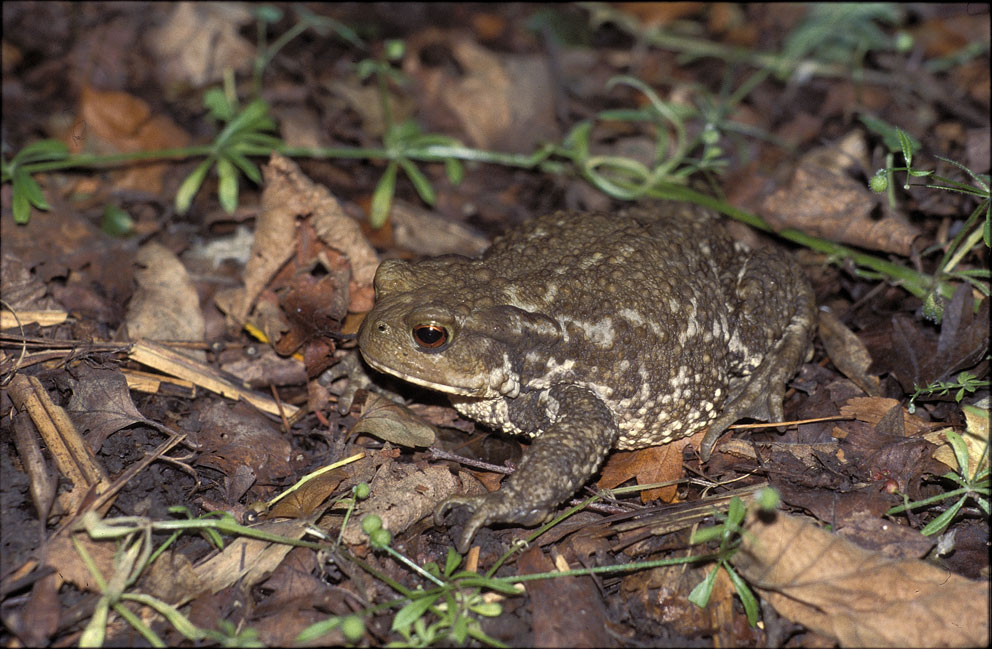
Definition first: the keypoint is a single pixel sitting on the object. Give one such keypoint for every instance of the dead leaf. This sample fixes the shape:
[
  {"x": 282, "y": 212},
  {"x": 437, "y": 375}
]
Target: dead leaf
[
  {"x": 101, "y": 404},
  {"x": 304, "y": 501},
  {"x": 568, "y": 611},
  {"x": 501, "y": 101},
  {"x": 857, "y": 597},
  {"x": 199, "y": 41},
  {"x": 230, "y": 437},
  {"x": 120, "y": 122},
  {"x": 427, "y": 233},
  {"x": 847, "y": 352},
  {"x": 914, "y": 359},
  {"x": 823, "y": 200},
  {"x": 165, "y": 306},
  {"x": 873, "y": 409},
  {"x": 248, "y": 560},
  {"x": 393, "y": 422},
  {"x": 649, "y": 465},
  {"x": 403, "y": 494}
]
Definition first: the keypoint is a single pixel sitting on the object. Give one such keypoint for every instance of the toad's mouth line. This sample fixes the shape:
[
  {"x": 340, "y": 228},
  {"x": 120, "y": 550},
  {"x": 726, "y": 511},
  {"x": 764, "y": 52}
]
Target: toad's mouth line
[{"x": 461, "y": 390}]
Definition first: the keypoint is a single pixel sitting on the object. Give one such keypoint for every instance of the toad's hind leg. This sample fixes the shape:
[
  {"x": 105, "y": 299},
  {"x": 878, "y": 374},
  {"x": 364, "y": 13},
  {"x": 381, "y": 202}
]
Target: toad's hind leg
[{"x": 776, "y": 312}]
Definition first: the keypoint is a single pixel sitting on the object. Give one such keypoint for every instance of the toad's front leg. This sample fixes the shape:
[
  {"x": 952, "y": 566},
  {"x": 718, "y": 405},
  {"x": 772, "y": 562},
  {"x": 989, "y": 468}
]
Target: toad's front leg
[{"x": 559, "y": 461}]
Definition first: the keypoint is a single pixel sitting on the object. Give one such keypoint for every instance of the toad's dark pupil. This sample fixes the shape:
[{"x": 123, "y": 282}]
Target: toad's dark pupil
[{"x": 430, "y": 335}]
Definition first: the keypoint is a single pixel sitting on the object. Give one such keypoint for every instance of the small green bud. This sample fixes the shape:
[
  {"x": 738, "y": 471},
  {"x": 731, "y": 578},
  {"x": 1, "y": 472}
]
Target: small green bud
[
  {"x": 710, "y": 134},
  {"x": 879, "y": 182},
  {"x": 361, "y": 490},
  {"x": 394, "y": 50},
  {"x": 353, "y": 628},
  {"x": 904, "y": 42},
  {"x": 767, "y": 498},
  {"x": 371, "y": 523},
  {"x": 380, "y": 538}
]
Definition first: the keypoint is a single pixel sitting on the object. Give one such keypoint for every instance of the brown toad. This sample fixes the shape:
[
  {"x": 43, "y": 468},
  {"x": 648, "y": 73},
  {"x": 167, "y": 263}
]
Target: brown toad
[{"x": 593, "y": 331}]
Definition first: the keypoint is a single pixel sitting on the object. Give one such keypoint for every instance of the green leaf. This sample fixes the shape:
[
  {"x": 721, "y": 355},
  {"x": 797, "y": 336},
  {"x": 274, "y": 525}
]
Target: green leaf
[
  {"x": 735, "y": 512},
  {"x": 419, "y": 180},
  {"x": 470, "y": 579},
  {"x": 382, "y": 197},
  {"x": 907, "y": 147},
  {"x": 21, "y": 205},
  {"x": 748, "y": 599},
  {"x": 30, "y": 188},
  {"x": 488, "y": 609},
  {"x": 577, "y": 141},
  {"x": 215, "y": 100},
  {"x": 413, "y": 611},
  {"x": 41, "y": 150},
  {"x": 888, "y": 132},
  {"x": 460, "y": 630},
  {"x": 452, "y": 562},
  {"x": 116, "y": 222},
  {"x": 455, "y": 170},
  {"x": 227, "y": 189},
  {"x": 247, "y": 167},
  {"x": 191, "y": 185},
  {"x": 316, "y": 630},
  {"x": 960, "y": 451},
  {"x": 268, "y": 14},
  {"x": 700, "y": 595},
  {"x": 937, "y": 525},
  {"x": 706, "y": 534}
]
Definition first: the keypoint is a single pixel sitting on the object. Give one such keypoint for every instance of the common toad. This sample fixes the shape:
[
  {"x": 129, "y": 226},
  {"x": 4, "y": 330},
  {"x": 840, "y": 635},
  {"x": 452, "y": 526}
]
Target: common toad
[{"x": 594, "y": 331}]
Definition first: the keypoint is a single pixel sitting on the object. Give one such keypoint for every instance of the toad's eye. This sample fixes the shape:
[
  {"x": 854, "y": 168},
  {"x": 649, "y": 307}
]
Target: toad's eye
[{"x": 430, "y": 336}]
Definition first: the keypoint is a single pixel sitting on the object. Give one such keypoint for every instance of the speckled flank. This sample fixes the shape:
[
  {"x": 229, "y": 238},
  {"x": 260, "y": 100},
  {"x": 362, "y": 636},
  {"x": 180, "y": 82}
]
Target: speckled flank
[{"x": 651, "y": 322}]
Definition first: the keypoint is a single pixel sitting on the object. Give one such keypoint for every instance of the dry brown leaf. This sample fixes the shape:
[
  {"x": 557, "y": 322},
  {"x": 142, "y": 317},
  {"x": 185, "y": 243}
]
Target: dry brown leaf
[
  {"x": 568, "y": 611},
  {"x": 825, "y": 201},
  {"x": 69, "y": 566},
  {"x": 859, "y": 598},
  {"x": 165, "y": 305},
  {"x": 231, "y": 437},
  {"x": 648, "y": 465},
  {"x": 426, "y": 233},
  {"x": 199, "y": 41},
  {"x": 871, "y": 410},
  {"x": 120, "y": 122},
  {"x": 305, "y": 500},
  {"x": 847, "y": 352},
  {"x": 403, "y": 494},
  {"x": 501, "y": 101},
  {"x": 249, "y": 560},
  {"x": 393, "y": 422},
  {"x": 101, "y": 404}
]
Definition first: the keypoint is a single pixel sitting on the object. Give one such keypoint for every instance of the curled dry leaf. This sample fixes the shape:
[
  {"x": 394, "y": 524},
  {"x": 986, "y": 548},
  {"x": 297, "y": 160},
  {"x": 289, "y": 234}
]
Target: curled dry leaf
[
  {"x": 858, "y": 597},
  {"x": 847, "y": 352},
  {"x": 165, "y": 305}
]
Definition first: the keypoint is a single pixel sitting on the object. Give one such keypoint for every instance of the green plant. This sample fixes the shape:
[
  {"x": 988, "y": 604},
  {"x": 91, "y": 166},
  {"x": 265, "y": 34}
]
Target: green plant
[
  {"x": 975, "y": 230},
  {"x": 26, "y": 192},
  {"x": 973, "y": 485},
  {"x": 729, "y": 535},
  {"x": 966, "y": 383}
]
